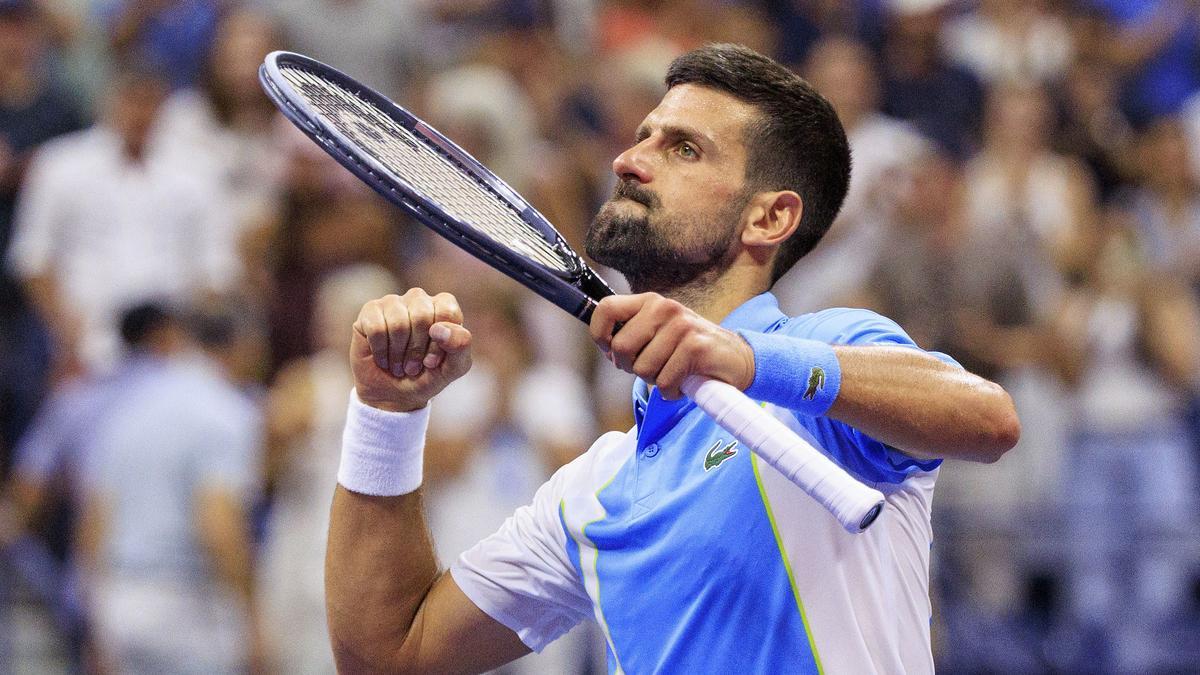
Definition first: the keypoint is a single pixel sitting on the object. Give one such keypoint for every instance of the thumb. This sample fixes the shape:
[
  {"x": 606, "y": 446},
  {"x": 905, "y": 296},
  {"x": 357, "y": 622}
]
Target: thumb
[
  {"x": 454, "y": 341},
  {"x": 451, "y": 337}
]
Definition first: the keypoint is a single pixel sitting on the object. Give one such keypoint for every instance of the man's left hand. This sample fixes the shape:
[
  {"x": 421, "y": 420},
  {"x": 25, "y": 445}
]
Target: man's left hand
[{"x": 662, "y": 342}]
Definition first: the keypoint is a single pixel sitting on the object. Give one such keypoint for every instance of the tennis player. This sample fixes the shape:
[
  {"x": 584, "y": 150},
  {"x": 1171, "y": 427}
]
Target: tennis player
[{"x": 691, "y": 554}]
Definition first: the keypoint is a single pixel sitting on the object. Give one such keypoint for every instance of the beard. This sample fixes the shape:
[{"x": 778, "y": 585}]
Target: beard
[{"x": 660, "y": 252}]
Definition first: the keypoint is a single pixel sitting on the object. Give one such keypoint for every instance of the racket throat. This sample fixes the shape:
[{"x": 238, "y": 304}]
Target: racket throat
[{"x": 595, "y": 288}]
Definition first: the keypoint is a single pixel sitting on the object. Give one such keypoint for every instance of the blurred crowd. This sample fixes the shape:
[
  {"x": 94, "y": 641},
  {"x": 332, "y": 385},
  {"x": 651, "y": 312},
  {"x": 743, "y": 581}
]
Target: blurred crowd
[{"x": 181, "y": 268}]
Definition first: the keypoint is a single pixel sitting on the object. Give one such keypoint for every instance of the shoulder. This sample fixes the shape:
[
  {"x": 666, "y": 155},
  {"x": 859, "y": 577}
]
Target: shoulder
[
  {"x": 592, "y": 470},
  {"x": 846, "y": 325},
  {"x": 65, "y": 152},
  {"x": 854, "y": 327}
]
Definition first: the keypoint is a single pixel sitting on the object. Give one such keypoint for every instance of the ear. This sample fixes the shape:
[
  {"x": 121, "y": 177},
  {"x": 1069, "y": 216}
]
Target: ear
[{"x": 770, "y": 218}]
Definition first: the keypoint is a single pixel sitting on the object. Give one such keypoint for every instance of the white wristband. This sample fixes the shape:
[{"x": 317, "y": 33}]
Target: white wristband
[{"x": 382, "y": 452}]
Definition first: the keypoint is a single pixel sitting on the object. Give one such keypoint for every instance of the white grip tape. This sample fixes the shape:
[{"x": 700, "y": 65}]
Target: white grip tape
[{"x": 854, "y": 504}]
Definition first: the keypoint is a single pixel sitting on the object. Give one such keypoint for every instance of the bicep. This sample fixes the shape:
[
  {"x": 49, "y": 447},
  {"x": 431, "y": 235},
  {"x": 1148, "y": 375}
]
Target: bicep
[{"x": 450, "y": 634}]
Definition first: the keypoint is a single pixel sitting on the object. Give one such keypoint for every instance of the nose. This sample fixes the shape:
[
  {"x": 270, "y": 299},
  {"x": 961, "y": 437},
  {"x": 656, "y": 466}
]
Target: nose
[{"x": 632, "y": 164}]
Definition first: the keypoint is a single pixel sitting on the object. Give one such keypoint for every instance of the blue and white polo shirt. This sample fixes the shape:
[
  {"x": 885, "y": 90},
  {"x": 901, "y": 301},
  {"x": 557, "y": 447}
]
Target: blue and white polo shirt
[{"x": 694, "y": 556}]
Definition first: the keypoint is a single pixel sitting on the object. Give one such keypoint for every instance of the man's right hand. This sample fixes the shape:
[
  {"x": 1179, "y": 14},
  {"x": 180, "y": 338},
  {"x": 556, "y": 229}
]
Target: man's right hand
[{"x": 405, "y": 349}]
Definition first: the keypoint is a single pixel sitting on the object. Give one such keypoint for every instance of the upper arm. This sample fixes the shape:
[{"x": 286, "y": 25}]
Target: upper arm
[
  {"x": 450, "y": 634},
  {"x": 38, "y": 218}
]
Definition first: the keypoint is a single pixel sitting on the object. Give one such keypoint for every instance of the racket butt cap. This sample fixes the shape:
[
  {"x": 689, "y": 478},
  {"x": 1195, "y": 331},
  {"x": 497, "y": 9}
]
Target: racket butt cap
[{"x": 870, "y": 516}]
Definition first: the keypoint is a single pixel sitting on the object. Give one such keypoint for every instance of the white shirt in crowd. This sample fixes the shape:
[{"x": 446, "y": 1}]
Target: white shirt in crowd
[{"x": 112, "y": 232}]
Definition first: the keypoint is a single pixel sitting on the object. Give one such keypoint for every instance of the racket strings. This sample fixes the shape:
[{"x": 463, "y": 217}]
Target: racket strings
[{"x": 411, "y": 158}]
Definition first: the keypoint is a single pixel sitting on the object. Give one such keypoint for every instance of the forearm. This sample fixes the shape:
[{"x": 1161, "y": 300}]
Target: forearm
[
  {"x": 379, "y": 567},
  {"x": 922, "y": 406},
  {"x": 899, "y": 396},
  {"x": 380, "y": 562},
  {"x": 225, "y": 534}
]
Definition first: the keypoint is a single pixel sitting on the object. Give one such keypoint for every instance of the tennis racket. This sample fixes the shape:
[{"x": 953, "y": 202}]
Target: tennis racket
[{"x": 439, "y": 184}]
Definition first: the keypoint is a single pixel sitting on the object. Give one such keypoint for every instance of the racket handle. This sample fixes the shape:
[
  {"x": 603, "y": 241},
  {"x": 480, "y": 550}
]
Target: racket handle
[{"x": 854, "y": 504}]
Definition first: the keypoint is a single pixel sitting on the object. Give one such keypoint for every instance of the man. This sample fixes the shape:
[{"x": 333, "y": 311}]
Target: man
[
  {"x": 105, "y": 221},
  {"x": 48, "y": 469},
  {"x": 34, "y": 108},
  {"x": 164, "y": 535},
  {"x": 690, "y": 553}
]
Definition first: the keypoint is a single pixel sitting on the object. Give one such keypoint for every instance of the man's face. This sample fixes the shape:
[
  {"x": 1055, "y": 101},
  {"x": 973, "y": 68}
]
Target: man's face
[{"x": 680, "y": 192}]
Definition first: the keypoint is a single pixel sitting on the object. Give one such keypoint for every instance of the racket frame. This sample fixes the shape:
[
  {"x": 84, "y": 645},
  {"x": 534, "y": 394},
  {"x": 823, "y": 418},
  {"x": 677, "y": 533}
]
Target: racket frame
[{"x": 576, "y": 290}]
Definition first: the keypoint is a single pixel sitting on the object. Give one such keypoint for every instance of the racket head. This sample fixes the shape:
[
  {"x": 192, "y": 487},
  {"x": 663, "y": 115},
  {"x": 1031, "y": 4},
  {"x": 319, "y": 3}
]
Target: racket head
[{"x": 534, "y": 254}]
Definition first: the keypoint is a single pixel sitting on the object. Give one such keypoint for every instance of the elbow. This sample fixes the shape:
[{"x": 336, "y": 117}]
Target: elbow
[
  {"x": 1000, "y": 428},
  {"x": 350, "y": 656}
]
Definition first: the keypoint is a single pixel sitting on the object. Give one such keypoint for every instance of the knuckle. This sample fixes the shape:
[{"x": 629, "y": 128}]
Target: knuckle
[
  {"x": 643, "y": 371},
  {"x": 447, "y": 305},
  {"x": 620, "y": 344}
]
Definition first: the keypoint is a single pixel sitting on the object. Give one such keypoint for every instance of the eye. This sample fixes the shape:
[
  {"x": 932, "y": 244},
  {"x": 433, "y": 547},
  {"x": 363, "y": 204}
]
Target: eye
[{"x": 687, "y": 151}]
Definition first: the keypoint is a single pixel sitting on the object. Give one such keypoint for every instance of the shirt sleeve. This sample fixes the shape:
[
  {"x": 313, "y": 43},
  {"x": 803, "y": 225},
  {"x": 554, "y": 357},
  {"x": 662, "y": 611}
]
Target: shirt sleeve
[
  {"x": 38, "y": 219},
  {"x": 522, "y": 575},
  {"x": 868, "y": 458},
  {"x": 231, "y": 452},
  {"x": 861, "y": 327}
]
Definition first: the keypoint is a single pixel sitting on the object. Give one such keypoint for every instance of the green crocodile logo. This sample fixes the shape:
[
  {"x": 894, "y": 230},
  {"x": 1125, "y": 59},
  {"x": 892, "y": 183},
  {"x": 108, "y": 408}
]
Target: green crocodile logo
[
  {"x": 717, "y": 454},
  {"x": 816, "y": 382}
]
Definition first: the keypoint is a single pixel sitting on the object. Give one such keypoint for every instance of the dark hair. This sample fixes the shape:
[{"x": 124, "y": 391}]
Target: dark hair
[
  {"x": 797, "y": 144},
  {"x": 140, "y": 322}
]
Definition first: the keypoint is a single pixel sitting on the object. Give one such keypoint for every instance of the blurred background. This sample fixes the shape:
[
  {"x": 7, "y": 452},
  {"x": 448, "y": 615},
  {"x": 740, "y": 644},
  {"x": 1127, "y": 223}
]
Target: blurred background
[{"x": 180, "y": 269}]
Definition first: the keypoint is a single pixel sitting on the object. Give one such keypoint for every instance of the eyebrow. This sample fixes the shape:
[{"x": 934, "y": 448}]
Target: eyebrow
[{"x": 676, "y": 132}]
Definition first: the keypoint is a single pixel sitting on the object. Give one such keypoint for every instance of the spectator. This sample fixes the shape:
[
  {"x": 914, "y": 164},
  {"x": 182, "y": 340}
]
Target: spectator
[
  {"x": 957, "y": 292},
  {"x": 1133, "y": 484},
  {"x": 48, "y": 474},
  {"x": 377, "y": 41},
  {"x": 173, "y": 35},
  {"x": 50, "y": 457},
  {"x": 1020, "y": 190},
  {"x": 165, "y": 534},
  {"x": 227, "y": 125},
  {"x": 1166, "y": 206},
  {"x": 323, "y": 226},
  {"x": 306, "y": 409},
  {"x": 1010, "y": 40},
  {"x": 33, "y": 109},
  {"x": 805, "y": 22},
  {"x": 1157, "y": 45},
  {"x": 1031, "y": 207},
  {"x": 1094, "y": 128},
  {"x": 920, "y": 85},
  {"x": 106, "y": 221},
  {"x": 883, "y": 149}
]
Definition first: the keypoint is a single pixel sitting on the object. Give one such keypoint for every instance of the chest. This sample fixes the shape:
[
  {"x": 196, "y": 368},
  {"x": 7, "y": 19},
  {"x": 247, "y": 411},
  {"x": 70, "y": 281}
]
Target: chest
[{"x": 683, "y": 496}]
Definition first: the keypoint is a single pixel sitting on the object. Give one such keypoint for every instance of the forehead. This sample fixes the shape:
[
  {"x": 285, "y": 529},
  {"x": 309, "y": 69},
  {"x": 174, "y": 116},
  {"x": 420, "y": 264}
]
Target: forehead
[{"x": 712, "y": 112}]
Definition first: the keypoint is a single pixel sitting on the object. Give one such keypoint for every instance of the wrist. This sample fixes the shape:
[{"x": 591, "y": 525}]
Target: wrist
[
  {"x": 745, "y": 377},
  {"x": 795, "y": 373},
  {"x": 382, "y": 451},
  {"x": 390, "y": 405}
]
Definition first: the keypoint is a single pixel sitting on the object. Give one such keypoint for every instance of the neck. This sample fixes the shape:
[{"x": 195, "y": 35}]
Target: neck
[{"x": 715, "y": 297}]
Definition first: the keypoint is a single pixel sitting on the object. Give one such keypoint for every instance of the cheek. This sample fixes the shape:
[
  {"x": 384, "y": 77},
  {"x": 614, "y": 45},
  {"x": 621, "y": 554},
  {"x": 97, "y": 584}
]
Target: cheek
[{"x": 705, "y": 194}]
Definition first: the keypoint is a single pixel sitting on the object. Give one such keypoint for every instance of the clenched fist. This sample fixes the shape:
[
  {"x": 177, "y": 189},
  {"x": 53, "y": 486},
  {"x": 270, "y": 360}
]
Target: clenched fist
[
  {"x": 662, "y": 342},
  {"x": 407, "y": 348}
]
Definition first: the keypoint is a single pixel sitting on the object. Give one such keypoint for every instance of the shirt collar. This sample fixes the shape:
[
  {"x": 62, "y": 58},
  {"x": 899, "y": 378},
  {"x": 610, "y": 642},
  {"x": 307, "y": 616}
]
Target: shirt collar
[{"x": 760, "y": 313}]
